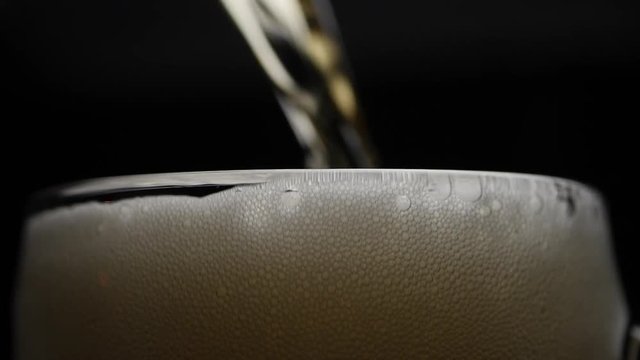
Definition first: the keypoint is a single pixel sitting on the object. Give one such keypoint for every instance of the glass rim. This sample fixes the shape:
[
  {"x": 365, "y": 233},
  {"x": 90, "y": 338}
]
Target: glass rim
[{"x": 202, "y": 183}]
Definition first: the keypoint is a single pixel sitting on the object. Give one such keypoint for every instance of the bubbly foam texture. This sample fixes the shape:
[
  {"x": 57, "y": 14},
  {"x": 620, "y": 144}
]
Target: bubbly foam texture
[{"x": 344, "y": 265}]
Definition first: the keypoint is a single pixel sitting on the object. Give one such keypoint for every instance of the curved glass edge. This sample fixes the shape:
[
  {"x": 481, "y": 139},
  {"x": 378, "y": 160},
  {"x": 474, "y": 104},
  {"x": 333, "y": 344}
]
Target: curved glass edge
[{"x": 203, "y": 183}]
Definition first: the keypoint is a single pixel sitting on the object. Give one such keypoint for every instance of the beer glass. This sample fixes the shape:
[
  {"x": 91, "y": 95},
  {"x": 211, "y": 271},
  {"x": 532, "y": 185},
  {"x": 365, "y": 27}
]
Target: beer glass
[{"x": 384, "y": 264}]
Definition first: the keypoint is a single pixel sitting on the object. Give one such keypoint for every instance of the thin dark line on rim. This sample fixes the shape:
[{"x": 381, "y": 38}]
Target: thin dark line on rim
[{"x": 47, "y": 200}]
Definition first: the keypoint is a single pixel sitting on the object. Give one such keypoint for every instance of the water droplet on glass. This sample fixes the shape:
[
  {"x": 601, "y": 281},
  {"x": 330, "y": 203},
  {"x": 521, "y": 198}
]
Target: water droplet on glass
[
  {"x": 484, "y": 211},
  {"x": 290, "y": 199},
  {"x": 467, "y": 187},
  {"x": 535, "y": 203},
  {"x": 439, "y": 186},
  {"x": 403, "y": 202},
  {"x": 496, "y": 205}
]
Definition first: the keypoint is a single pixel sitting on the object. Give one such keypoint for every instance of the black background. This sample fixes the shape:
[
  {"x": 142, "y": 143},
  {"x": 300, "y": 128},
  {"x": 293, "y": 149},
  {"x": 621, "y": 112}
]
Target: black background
[{"x": 108, "y": 87}]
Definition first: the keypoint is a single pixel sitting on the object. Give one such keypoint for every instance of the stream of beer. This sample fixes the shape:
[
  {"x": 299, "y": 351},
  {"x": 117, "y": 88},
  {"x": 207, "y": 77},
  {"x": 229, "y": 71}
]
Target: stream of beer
[{"x": 298, "y": 45}]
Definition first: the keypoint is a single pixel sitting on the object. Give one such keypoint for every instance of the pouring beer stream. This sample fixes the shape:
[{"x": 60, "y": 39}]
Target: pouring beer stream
[{"x": 298, "y": 45}]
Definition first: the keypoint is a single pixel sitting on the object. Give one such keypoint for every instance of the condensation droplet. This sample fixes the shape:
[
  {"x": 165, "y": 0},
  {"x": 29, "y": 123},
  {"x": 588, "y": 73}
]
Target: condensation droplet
[
  {"x": 467, "y": 187},
  {"x": 496, "y": 205},
  {"x": 439, "y": 186},
  {"x": 146, "y": 209},
  {"x": 403, "y": 202},
  {"x": 186, "y": 223},
  {"x": 536, "y": 203},
  {"x": 484, "y": 211},
  {"x": 290, "y": 199}
]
